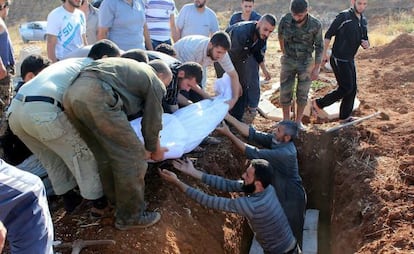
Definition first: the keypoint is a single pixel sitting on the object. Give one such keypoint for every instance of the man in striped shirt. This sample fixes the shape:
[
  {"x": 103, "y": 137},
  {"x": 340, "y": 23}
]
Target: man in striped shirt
[{"x": 260, "y": 205}]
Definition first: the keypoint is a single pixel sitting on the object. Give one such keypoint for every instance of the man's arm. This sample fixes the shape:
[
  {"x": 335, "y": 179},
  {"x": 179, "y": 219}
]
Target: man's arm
[
  {"x": 241, "y": 127},
  {"x": 3, "y": 233},
  {"x": 325, "y": 57},
  {"x": 265, "y": 72},
  {"x": 236, "y": 89},
  {"x": 3, "y": 70},
  {"x": 103, "y": 33},
  {"x": 319, "y": 49},
  {"x": 51, "y": 47},
  {"x": 173, "y": 28},
  {"x": 147, "y": 38},
  {"x": 201, "y": 92},
  {"x": 235, "y": 140},
  {"x": 84, "y": 39}
]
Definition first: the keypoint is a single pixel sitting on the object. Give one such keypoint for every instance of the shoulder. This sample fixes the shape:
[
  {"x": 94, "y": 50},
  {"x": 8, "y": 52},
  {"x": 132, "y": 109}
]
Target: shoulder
[
  {"x": 315, "y": 21},
  {"x": 210, "y": 11},
  {"x": 255, "y": 16},
  {"x": 57, "y": 11}
]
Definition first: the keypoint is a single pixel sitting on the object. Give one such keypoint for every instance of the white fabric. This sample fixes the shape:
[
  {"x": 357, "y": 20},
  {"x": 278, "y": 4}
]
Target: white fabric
[
  {"x": 187, "y": 127},
  {"x": 68, "y": 27}
]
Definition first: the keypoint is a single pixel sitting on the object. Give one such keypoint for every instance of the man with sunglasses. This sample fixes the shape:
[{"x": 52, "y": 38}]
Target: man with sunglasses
[{"x": 6, "y": 58}]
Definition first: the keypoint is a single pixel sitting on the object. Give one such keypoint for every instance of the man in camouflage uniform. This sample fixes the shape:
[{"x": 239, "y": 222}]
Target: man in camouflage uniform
[{"x": 299, "y": 35}]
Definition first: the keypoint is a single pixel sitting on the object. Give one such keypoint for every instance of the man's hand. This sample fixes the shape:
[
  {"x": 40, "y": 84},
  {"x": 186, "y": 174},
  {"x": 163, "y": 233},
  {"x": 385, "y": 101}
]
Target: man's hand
[
  {"x": 364, "y": 44},
  {"x": 266, "y": 74},
  {"x": 159, "y": 154},
  {"x": 3, "y": 71},
  {"x": 315, "y": 73},
  {"x": 168, "y": 175},
  {"x": 187, "y": 167},
  {"x": 223, "y": 129},
  {"x": 3, "y": 233}
]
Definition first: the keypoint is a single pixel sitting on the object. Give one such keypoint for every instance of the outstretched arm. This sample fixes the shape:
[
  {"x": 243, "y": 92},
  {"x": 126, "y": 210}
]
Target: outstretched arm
[{"x": 224, "y": 129}]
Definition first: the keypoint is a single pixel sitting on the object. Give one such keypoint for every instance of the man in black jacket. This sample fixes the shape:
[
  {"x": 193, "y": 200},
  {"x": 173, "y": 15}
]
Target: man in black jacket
[
  {"x": 350, "y": 31},
  {"x": 248, "y": 38}
]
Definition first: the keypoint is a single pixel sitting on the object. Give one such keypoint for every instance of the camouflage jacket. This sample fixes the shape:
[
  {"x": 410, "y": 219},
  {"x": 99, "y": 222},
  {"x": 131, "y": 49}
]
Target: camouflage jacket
[{"x": 300, "y": 42}]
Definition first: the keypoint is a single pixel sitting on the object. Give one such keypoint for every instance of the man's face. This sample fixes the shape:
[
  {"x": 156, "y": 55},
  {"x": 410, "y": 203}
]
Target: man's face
[
  {"x": 187, "y": 84},
  {"x": 216, "y": 53},
  {"x": 249, "y": 180},
  {"x": 300, "y": 17},
  {"x": 4, "y": 6},
  {"x": 75, "y": 3},
  {"x": 359, "y": 5},
  {"x": 265, "y": 29},
  {"x": 247, "y": 7},
  {"x": 279, "y": 133},
  {"x": 200, "y": 3}
]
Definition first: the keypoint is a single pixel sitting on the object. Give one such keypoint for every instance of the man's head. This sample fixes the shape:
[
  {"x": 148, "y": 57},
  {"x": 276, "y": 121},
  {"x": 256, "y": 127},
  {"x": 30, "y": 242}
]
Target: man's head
[
  {"x": 104, "y": 48},
  {"x": 265, "y": 26},
  {"x": 189, "y": 75},
  {"x": 162, "y": 70},
  {"x": 299, "y": 10},
  {"x": 4, "y": 8},
  {"x": 72, "y": 3},
  {"x": 166, "y": 49},
  {"x": 85, "y": 6},
  {"x": 257, "y": 176},
  {"x": 218, "y": 46},
  {"x": 200, "y": 4},
  {"x": 285, "y": 131},
  {"x": 32, "y": 65},
  {"x": 138, "y": 55},
  {"x": 247, "y": 6},
  {"x": 359, "y": 5}
]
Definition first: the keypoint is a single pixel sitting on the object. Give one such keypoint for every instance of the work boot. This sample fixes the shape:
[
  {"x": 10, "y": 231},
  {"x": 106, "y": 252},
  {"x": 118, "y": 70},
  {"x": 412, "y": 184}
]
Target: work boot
[
  {"x": 147, "y": 219},
  {"x": 71, "y": 201}
]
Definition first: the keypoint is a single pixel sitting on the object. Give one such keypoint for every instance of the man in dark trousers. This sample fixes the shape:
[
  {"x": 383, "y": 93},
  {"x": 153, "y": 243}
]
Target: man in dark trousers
[
  {"x": 248, "y": 38},
  {"x": 350, "y": 31}
]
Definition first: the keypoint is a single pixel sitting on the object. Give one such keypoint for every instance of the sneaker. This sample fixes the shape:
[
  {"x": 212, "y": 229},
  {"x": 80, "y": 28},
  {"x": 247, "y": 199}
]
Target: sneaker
[
  {"x": 317, "y": 111},
  {"x": 302, "y": 127},
  {"x": 209, "y": 140},
  {"x": 147, "y": 219}
]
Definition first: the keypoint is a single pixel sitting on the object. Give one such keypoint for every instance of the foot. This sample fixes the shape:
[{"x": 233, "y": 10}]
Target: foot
[
  {"x": 317, "y": 111},
  {"x": 147, "y": 219},
  {"x": 96, "y": 213},
  {"x": 71, "y": 201}
]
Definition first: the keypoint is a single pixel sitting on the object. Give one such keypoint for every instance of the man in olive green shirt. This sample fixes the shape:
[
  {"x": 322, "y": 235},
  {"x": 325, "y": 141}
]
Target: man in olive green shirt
[
  {"x": 100, "y": 101},
  {"x": 299, "y": 35}
]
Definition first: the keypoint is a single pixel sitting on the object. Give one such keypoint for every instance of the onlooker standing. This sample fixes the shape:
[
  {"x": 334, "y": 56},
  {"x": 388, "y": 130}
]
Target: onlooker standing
[
  {"x": 277, "y": 148},
  {"x": 99, "y": 102},
  {"x": 299, "y": 35},
  {"x": 92, "y": 21},
  {"x": 123, "y": 22},
  {"x": 350, "y": 31},
  {"x": 253, "y": 80},
  {"x": 248, "y": 38},
  {"x": 260, "y": 206},
  {"x": 196, "y": 18},
  {"x": 160, "y": 16},
  {"x": 24, "y": 212},
  {"x": 66, "y": 30},
  {"x": 6, "y": 58}
]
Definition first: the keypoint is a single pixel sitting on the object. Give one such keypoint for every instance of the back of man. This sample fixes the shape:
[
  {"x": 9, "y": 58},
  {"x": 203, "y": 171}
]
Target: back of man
[{"x": 66, "y": 30}]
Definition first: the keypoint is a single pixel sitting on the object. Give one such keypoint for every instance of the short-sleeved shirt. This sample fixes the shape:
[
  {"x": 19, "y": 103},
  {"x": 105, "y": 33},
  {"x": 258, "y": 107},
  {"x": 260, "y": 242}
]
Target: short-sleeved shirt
[
  {"x": 92, "y": 22},
  {"x": 125, "y": 22},
  {"x": 68, "y": 27},
  {"x": 191, "y": 22},
  {"x": 6, "y": 49},
  {"x": 237, "y": 17},
  {"x": 194, "y": 48},
  {"x": 157, "y": 14},
  {"x": 300, "y": 42}
]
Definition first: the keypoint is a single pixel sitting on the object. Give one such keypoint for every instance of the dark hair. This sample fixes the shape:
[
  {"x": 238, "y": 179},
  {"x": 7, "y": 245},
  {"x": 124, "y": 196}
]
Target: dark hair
[
  {"x": 247, "y": 1},
  {"x": 192, "y": 70},
  {"x": 138, "y": 55},
  {"x": 166, "y": 49},
  {"x": 102, "y": 48},
  {"x": 270, "y": 18},
  {"x": 221, "y": 39},
  {"x": 33, "y": 63},
  {"x": 291, "y": 128},
  {"x": 298, "y": 6},
  {"x": 160, "y": 67},
  {"x": 263, "y": 171}
]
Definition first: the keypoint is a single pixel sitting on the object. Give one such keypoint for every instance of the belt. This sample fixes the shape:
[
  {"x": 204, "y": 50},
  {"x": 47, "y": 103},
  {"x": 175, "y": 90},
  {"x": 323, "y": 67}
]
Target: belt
[{"x": 22, "y": 98}]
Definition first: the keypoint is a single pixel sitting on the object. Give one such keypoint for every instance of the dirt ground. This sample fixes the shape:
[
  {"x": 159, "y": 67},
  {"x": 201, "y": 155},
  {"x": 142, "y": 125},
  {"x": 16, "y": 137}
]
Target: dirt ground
[{"x": 369, "y": 169}]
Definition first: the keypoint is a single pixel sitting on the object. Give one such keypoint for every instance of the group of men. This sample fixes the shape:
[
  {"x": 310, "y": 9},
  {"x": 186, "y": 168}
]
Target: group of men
[{"x": 74, "y": 116}]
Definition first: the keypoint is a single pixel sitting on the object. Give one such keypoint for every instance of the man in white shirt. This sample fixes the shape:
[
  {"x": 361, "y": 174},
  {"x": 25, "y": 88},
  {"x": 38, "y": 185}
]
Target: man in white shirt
[
  {"x": 206, "y": 51},
  {"x": 66, "y": 30}
]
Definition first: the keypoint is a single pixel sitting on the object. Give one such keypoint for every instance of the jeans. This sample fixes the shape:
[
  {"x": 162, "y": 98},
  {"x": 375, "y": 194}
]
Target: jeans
[{"x": 345, "y": 75}]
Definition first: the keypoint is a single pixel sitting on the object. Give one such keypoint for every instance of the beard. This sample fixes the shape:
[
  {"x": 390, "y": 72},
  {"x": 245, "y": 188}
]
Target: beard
[
  {"x": 199, "y": 6},
  {"x": 210, "y": 54},
  {"x": 248, "y": 188},
  {"x": 76, "y": 5}
]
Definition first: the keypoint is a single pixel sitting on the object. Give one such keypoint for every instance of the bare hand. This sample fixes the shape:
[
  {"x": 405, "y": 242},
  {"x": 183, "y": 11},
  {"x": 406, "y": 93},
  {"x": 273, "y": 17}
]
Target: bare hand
[
  {"x": 365, "y": 44},
  {"x": 186, "y": 166},
  {"x": 223, "y": 129},
  {"x": 266, "y": 74},
  {"x": 315, "y": 73},
  {"x": 168, "y": 175},
  {"x": 3, "y": 233},
  {"x": 159, "y": 154}
]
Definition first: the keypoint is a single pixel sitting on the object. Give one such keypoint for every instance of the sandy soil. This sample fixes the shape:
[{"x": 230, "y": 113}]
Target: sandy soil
[{"x": 371, "y": 177}]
